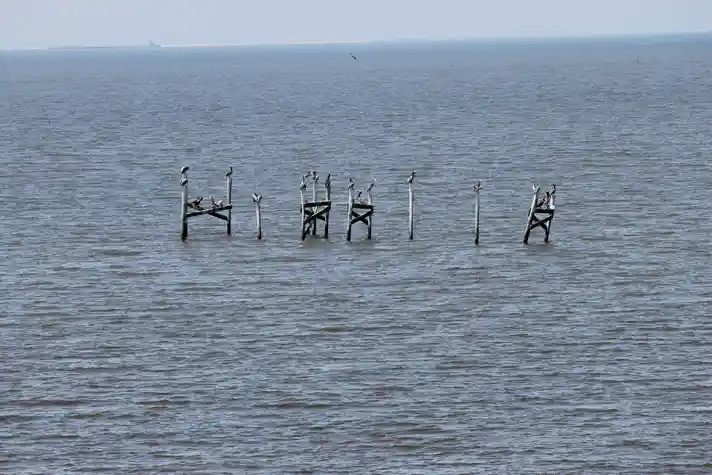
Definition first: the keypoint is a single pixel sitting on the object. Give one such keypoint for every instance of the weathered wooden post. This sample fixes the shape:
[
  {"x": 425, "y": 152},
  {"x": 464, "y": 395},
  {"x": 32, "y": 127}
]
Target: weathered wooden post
[
  {"x": 315, "y": 180},
  {"x": 257, "y": 199},
  {"x": 213, "y": 209},
  {"x": 327, "y": 190},
  {"x": 545, "y": 207},
  {"x": 228, "y": 193},
  {"x": 302, "y": 187},
  {"x": 369, "y": 195},
  {"x": 184, "y": 207},
  {"x": 477, "y": 189},
  {"x": 410, "y": 204},
  {"x": 354, "y": 209},
  {"x": 313, "y": 211},
  {"x": 349, "y": 209}
]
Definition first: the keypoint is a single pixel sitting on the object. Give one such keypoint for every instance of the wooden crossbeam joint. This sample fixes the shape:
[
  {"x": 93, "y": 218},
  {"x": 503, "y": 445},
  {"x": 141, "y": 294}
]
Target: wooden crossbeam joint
[{"x": 363, "y": 218}]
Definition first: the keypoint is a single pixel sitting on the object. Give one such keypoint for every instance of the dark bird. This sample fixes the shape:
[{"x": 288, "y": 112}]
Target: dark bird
[
  {"x": 370, "y": 187},
  {"x": 478, "y": 186},
  {"x": 256, "y": 198},
  {"x": 183, "y": 170},
  {"x": 352, "y": 55},
  {"x": 229, "y": 172},
  {"x": 411, "y": 177}
]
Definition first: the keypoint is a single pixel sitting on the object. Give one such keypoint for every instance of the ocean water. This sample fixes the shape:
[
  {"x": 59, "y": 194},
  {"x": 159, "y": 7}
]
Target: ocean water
[{"x": 128, "y": 351}]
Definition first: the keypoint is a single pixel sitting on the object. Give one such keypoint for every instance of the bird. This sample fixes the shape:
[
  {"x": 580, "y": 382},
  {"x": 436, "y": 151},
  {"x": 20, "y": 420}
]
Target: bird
[
  {"x": 553, "y": 188},
  {"x": 352, "y": 185},
  {"x": 352, "y": 55},
  {"x": 220, "y": 203},
  {"x": 229, "y": 173},
  {"x": 303, "y": 186},
  {"x": 184, "y": 170},
  {"x": 256, "y": 198},
  {"x": 212, "y": 201},
  {"x": 411, "y": 178},
  {"x": 358, "y": 197},
  {"x": 478, "y": 186},
  {"x": 327, "y": 182},
  {"x": 370, "y": 187},
  {"x": 196, "y": 202},
  {"x": 534, "y": 188},
  {"x": 183, "y": 181}
]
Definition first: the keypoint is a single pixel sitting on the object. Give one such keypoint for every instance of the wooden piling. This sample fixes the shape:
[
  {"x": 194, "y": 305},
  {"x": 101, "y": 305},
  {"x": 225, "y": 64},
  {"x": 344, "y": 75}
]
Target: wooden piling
[
  {"x": 349, "y": 211},
  {"x": 315, "y": 180},
  {"x": 410, "y": 205},
  {"x": 228, "y": 194},
  {"x": 184, "y": 208},
  {"x": 369, "y": 198},
  {"x": 541, "y": 213},
  {"x": 477, "y": 189},
  {"x": 327, "y": 192},
  {"x": 302, "y": 187},
  {"x": 258, "y": 213}
]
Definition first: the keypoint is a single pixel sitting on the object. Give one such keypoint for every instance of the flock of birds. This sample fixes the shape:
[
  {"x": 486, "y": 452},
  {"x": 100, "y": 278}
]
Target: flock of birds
[{"x": 195, "y": 203}]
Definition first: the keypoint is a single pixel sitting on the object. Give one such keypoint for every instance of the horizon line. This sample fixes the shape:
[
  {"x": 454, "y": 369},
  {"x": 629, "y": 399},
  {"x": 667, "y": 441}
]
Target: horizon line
[{"x": 404, "y": 39}]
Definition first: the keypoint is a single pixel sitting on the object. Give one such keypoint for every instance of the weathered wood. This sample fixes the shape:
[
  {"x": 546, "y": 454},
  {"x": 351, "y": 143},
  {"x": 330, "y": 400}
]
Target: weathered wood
[
  {"x": 318, "y": 215},
  {"x": 184, "y": 207},
  {"x": 361, "y": 206},
  {"x": 532, "y": 210},
  {"x": 363, "y": 218},
  {"x": 369, "y": 200},
  {"x": 228, "y": 193},
  {"x": 349, "y": 210},
  {"x": 410, "y": 212},
  {"x": 327, "y": 189},
  {"x": 477, "y": 189},
  {"x": 303, "y": 187},
  {"x": 316, "y": 204},
  {"x": 212, "y": 212},
  {"x": 545, "y": 207},
  {"x": 257, "y": 199}
]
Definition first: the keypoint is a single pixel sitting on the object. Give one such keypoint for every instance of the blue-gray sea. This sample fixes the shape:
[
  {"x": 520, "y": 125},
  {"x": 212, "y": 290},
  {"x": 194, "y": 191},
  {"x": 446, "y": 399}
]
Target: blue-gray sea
[{"x": 128, "y": 351}]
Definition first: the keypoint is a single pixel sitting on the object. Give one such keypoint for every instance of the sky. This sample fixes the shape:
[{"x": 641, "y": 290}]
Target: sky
[{"x": 42, "y": 23}]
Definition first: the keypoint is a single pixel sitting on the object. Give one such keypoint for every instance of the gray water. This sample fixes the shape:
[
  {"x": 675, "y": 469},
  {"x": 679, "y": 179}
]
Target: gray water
[{"x": 127, "y": 351}]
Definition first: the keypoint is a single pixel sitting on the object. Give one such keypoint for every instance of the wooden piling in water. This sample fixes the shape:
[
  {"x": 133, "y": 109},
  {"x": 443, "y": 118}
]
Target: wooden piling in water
[
  {"x": 313, "y": 211},
  {"x": 258, "y": 213},
  {"x": 354, "y": 210},
  {"x": 228, "y": 194},
  {"x": 184, "y": 208},
  {"x": 315, "y": 180},
  {"x": 541, "y": 213},
  {"x": 477, "y": 188},
  {"x": 410, "y": 205},
  {"x": 327, "y": 192},
  {"x": 213, "y": 209}
]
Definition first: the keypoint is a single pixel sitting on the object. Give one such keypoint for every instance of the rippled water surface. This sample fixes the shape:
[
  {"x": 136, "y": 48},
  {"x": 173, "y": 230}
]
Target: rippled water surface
[{"x": 127, "y": 351}]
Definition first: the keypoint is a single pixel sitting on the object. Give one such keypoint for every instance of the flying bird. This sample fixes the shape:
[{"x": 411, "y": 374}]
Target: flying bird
[{"x": 352, "y": 55}]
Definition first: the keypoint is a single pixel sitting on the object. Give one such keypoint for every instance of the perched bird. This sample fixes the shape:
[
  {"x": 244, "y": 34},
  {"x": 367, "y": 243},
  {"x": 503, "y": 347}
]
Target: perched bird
[
  {"x": 327, "y": 182},
  {"x": 411, "y": 178},
  {"x": 478, "y": 186},
  {"x": 183, "y": 181},
  {"x": 358, "y": 197},
  {"x": 370, "y": 187},
  {"x": 184, "y": 170},
  {"x": 303, "y": 186},
  {"x": 212, "y": 201},
  {"x": 256, "y": 198},
  {"x": 229, "y": 172},
  {"x": 220, "y": 203}
]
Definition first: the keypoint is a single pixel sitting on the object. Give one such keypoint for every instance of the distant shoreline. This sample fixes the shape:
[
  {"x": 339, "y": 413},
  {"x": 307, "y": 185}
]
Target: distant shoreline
[{"x": 599, "y": 37}]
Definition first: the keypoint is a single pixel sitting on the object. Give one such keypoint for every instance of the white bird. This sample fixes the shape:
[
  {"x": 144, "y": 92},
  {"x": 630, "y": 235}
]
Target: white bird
[
  {"x": 534, "y": 188},
  {"x": 229, "y": 172},
  {"x": 219, "y": 204},
  {"x": 183, "y": 181},
  {"x": 411, "y": 178},
  {"x": 183, "y": 170}
]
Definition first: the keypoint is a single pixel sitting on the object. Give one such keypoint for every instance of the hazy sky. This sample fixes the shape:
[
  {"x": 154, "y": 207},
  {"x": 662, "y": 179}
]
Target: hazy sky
[{"x": 39, "y": 23}]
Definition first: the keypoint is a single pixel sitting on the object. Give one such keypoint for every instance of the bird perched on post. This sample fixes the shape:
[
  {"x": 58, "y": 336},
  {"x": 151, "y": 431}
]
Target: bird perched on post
[
  {"x": 411, "y": 178},
  {"x": 256, "y": 198},
  {"x": 183, "y": 181},
  {"x": 327, "y": 182},
  {"x": 302, "y": 185},
  {"x": 478, "y": 186},
  {"x": 370, "y": 187},
  {"x": 184, "y": 170},
  {"x": 229, "y": 173}
]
